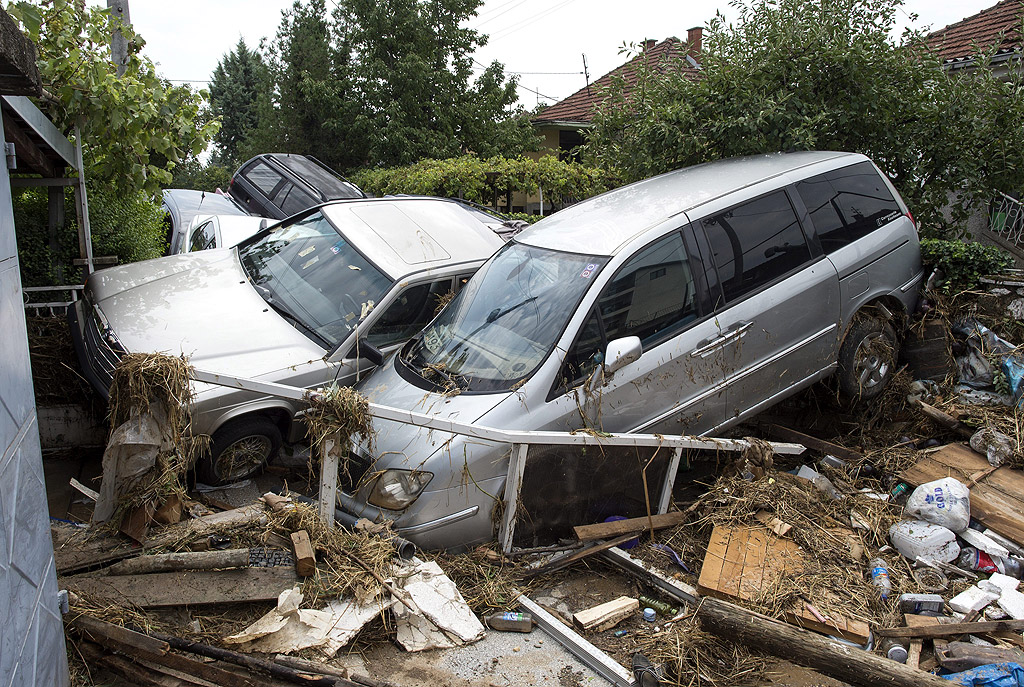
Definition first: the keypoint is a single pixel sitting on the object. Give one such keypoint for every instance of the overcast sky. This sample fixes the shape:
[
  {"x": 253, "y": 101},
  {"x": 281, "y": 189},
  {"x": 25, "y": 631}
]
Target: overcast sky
[{"x": 543, "y": 41}]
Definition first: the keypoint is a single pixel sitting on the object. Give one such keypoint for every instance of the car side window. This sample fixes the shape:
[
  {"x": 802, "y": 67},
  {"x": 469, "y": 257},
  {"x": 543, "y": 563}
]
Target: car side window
[
  {"x": 203, "y": 237},
  {"x": 652, "y": 296},
  {"x": 262, "y": 177},
  {"x": 409, "y": 313},
  {"x": 755, "y": 243},
  {"x": 291, "y": 199},
  {"x": 847, "y": 204}
]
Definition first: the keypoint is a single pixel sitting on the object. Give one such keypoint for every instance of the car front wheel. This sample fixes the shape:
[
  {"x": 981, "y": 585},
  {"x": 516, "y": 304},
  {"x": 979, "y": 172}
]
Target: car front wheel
[
  {"x": 239, "y": 449},
  {"x": 867, "y": 358}
]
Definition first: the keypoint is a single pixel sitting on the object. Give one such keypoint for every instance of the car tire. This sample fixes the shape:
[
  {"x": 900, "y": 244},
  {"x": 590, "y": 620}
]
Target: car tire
[
  {"x": 867, "y": 359},
  {"x": 239, "y": 449}
]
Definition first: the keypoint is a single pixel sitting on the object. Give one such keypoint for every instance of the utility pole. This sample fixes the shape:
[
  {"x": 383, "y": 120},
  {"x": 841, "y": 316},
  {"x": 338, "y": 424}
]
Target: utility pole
[
  {"x": 586, "y": 74},
  {"x": 118, "y": 43}
]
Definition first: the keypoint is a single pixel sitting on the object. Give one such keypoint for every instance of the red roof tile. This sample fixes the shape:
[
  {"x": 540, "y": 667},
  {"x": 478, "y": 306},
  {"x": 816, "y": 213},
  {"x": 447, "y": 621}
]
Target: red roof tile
[
  {"x": 579, "y": 107},
  {"x": 999, "y": 24}
]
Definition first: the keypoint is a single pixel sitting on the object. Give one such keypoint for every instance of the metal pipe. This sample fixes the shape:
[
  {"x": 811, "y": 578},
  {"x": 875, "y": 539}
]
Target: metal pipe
[{"x": 403, "y": 547}]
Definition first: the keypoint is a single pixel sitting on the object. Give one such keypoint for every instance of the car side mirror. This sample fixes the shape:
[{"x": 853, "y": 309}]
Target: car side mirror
[
  {"x": 622, "y": 352},
  {"x": 367, "y": 351}
]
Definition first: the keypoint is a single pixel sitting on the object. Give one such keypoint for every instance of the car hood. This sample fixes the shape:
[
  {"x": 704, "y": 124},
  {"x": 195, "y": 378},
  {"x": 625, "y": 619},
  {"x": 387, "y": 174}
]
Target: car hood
[
  {"x": 402, "y": 445},
  {"x": 200, "y": 305}
]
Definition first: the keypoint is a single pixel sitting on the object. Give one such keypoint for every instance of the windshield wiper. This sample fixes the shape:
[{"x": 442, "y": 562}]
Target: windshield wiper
[
  {"x": 498, "y": 312},
  {"x": 291, "y": 317}
]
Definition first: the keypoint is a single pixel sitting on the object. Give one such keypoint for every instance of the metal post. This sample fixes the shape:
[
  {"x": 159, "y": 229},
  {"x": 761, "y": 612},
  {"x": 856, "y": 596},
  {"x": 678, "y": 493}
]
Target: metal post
[
  {"x": 82, "y": 207},
  {"x": 329, "y": 478},
  {"x": 513, "y": 483},
  {"x": 670, "y": 480}
]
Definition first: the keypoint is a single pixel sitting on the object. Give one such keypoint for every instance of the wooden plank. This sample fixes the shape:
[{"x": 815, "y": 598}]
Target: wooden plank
[
  {"x": 103, "y": 632},
  {"x": 950, "y": 629},
  {"x": 305, "y": 559},
  {"x": 615, "y": 528},
  {"x": 329, "y": 477},
  {"x": 742, "y": 561},
  {"x": 83, "y": 490},
  {"x": 997, "y": 500},
  {"x": 606, "y": 615},
  {"x": 187, "y": 588},
  {"x": 73, "y": 552},
  {"x": 569, "y": 559},
  {"x": 787, "y": 434},
  {"x": 960, "y": 656}
]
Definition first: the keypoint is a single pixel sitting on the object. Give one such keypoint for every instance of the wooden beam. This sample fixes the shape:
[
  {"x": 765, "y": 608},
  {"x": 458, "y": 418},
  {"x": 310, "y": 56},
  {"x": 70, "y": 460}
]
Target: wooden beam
[
  {"x": 787, "y": 434},
  {"x": 949, "y": 629},
  {"x": 607, "y": 615},
  {"x": 616, "y": 528},
  {"x": 101, "y": 631},
  {"x": 305, "y": 558},
  {"x": 29, "y": 182},
  {"x": 569, "y": 559},
  {"x": 187, "y": 588},
  {"x": 26, "y": 151}
]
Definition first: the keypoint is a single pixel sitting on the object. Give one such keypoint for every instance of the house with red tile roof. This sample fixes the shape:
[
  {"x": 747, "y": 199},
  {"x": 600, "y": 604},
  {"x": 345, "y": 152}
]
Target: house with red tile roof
[
  {"x": 561, "y": 124},
  {"x": 1000, "y": 25}
]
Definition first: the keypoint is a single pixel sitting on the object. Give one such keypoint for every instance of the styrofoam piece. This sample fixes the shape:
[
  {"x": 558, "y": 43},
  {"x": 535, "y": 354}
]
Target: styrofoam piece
[
  {"x": 1004, "y": 582},
  {"x": 972, "y": 599},
  {"x": 984, "y": 543},
  {"x": 1012, "y": 602},
  {"x": 917, "y": 538},
  {"x": 1009, "y": 544}
]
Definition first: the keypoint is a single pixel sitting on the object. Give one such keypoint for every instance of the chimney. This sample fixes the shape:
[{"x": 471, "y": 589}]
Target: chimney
[
  {"x": 693, "y": 41},
  {"x": 649, "y": 43}
]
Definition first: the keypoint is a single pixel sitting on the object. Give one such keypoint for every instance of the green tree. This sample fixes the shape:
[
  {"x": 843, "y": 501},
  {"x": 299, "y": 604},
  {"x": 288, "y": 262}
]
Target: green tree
[
  {"x": 239, "y": 82},
  {"x": 134, "y": 127},
  {"x": 413, "y": 62},
  {"x": 796, "y": 75}
]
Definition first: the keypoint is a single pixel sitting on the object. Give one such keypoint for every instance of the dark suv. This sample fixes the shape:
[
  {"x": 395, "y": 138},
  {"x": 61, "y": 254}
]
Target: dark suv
[{"x": 279, "y": 185}]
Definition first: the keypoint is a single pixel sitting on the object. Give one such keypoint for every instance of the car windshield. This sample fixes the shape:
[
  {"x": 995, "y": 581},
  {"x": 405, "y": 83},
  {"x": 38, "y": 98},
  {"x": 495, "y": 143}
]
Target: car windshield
[
  {"x": 505, "y": 321},
  {"x": 314, "y": 278}
]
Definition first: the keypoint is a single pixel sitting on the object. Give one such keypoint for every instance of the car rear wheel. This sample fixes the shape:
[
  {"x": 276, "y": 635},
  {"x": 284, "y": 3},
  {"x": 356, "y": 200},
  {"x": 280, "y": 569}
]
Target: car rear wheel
[
  {"x": 867, "y": 359},
  {"x": 239, "y": 449}
]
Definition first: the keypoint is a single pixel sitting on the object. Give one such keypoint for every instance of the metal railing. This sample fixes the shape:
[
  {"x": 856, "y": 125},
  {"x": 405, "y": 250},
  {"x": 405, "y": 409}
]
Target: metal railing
[
  {"x": 53, "y": 301},
  {"x": 1006, "y": 220},
  {"x": 519, "y": 440}
]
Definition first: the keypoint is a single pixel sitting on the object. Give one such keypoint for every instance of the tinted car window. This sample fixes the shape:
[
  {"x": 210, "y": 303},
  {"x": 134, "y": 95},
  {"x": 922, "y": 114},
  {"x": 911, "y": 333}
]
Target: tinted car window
[
  {"x": 651, "y": 296},
  {"x": 327, "y": 183},
  {"x": 262, "y": 177},
  {"x": 755, "y": 243},
  {"x": 409, "y": 313},
  {"x": 847, "y": 204},
  {"x": 292, "y": 200},
  {"x": 203, "y": 237}
]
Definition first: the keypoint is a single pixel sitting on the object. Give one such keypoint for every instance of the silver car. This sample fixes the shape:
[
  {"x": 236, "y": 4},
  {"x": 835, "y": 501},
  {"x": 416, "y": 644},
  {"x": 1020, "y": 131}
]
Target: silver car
[
  {"x": 310, "y": 301},
  {"x": 680, "y": 304}
]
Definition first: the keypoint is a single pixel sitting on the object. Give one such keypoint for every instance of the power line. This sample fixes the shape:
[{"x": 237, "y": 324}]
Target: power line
[
  {"x": 508, "y": 30},
  {"x": 499, "y": 14}
]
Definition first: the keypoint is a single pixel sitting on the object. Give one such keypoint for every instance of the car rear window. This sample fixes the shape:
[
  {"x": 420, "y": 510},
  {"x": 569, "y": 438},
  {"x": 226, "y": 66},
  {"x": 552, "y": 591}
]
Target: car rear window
[
  {"x": 332, "y": 187},
  {"x": 847, "y": 204},
  {"x": 262, "y": 177},
  {"x": 755, "y": 243}
]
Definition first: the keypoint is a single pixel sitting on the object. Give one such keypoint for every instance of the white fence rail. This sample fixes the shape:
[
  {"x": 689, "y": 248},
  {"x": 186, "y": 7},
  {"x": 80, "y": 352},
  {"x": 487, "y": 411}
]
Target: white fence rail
[
  {"x": 520, "y": 442},
  {"x": 1006, "y": 220},
  {"x": 55, "y": 298}
]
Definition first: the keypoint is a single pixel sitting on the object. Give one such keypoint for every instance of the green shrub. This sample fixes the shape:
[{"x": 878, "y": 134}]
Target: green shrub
[
  {"x": 128, "y": 226},
  {"x": 963, "y": 263},
  {"x": 529, "y": 219}
]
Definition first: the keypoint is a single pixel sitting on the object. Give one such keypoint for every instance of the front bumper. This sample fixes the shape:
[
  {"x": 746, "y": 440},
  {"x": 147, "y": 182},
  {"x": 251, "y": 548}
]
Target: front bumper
[{"x": 96, "y": 358}]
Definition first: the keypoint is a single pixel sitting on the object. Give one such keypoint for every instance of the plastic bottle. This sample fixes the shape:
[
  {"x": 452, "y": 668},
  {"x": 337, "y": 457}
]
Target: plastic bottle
[
  {"x": 880, "y": 577},
  {"x": 894, "y": 650},
  {"x": 974, "y": 559},
  {"x": 660, "y": 606},
  {"x": 510, "y": 622}
]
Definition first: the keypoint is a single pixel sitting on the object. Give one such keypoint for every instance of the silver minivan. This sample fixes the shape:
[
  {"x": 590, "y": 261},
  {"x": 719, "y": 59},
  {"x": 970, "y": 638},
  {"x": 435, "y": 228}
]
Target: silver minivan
[{"x": 681, "y": 304}]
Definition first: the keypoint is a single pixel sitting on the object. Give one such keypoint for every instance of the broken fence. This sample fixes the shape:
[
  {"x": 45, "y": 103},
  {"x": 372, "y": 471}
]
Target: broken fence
[{"x": 522, "y": 443}]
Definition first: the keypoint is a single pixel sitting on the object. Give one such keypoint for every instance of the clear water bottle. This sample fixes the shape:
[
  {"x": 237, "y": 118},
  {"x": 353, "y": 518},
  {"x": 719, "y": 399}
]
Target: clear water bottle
[{"x": 880, "y": 577}]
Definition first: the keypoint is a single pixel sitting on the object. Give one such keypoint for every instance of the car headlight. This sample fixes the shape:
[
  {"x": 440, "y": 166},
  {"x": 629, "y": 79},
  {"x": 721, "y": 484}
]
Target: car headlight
[{"x": 397, "y": 489}]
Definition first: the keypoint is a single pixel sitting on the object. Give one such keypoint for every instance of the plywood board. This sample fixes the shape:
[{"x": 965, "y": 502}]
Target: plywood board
[
  {"x": 742, "y": 561},
  {"x": 997, "y": 500},
  {"x": 187, "y": 588}
]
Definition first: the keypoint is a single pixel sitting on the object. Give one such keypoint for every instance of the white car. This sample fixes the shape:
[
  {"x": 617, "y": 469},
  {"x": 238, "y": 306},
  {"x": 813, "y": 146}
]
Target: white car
[{"x": 221, "y": 231}]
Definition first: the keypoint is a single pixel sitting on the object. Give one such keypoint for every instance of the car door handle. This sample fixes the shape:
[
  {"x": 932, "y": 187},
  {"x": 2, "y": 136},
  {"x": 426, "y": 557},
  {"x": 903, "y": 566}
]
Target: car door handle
[{"x": 734, "y": 332}]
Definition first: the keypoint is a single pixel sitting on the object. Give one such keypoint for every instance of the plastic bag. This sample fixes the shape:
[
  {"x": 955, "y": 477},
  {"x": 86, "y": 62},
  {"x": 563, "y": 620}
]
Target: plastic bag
[
  {"x": 1013, "y": 368},
  {"x": 975, "y": 369},
  {"x": 996, "y": 446},
  {"x": 993, "y": 675},
  {"x": 945, "y": 502}
]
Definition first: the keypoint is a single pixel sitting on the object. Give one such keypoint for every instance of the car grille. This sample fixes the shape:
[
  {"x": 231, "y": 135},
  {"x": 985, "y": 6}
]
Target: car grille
[
  {"x": 353, "y": 470},
  {"x": 103, "y": 355}
]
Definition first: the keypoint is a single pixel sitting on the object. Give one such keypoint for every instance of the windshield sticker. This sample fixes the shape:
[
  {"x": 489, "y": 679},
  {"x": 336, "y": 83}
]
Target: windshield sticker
[
  {"x": 588, "y": 271},
  {"x": 348, "y": 317},
  {"x": 336, "y": 248},
  {"x": 355, "y": 267},
  {"x": 306, "y": 251},
  {"x": 315, "y": 258}
]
